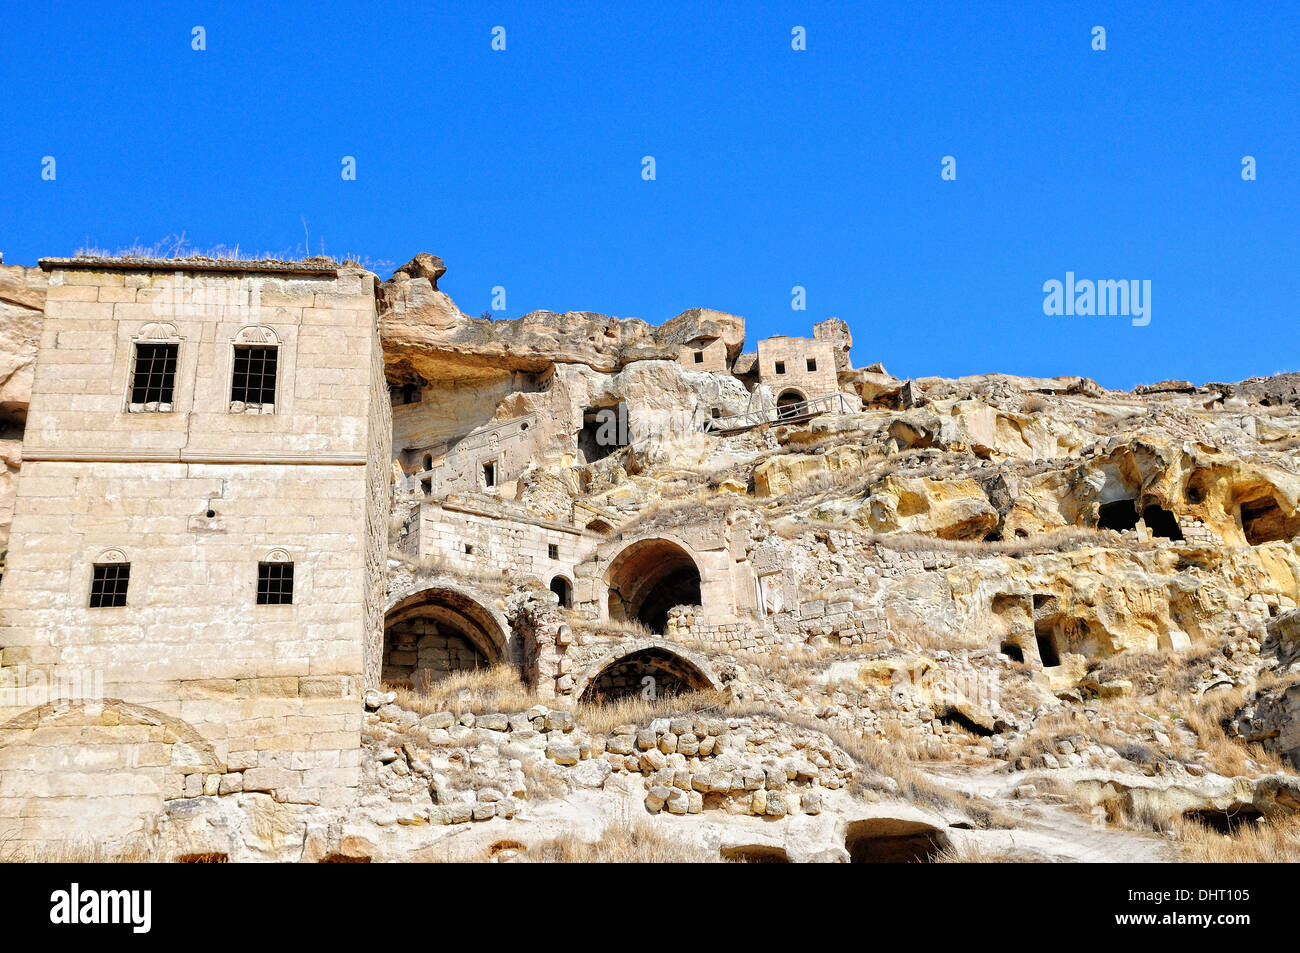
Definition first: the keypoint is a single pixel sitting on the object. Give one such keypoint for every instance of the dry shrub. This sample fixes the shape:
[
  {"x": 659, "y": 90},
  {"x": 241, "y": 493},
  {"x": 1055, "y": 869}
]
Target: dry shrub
[
  {"x": 496, "y": 688},
  {"x": 1273, "y": 840},
  {"x": 602, "y": 718},
  {"x": 632, "y": 628},
  {"x": 76, "y": 851},
  {"x": 626, "y": 841},
  {"x": 969, "y": 853},
  {"x": 878, "y": 760}
]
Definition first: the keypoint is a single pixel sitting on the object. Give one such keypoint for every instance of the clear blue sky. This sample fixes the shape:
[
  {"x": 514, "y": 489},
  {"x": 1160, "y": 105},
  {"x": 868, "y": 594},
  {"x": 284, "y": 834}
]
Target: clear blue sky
[{"x": 775, "y": 167}]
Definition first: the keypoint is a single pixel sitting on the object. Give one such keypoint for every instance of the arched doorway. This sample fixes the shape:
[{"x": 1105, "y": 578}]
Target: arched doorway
[
  {"x": 436, "y": 632},
  {"x": 789, "y": 404},
  {"x": 651, "y": 672},
  {"x": 647, "y": 579},
  {"x": 560, "y": 586}
]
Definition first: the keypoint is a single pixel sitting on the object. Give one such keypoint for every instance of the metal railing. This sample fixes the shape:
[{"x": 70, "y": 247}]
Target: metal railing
[{"x": 829, "y": 404}]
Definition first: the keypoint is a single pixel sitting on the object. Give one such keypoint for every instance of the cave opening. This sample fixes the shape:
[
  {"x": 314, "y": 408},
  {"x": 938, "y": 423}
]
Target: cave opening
[
  {"x": 1161, "y": 522},
  {"x": 887, "y": 840},
  {"x": 1224, "y": 822},
  {"x": 1118, "y": 515},
  {"x": 604, "y": 430},
  {"x": 1263, "y": 521}
]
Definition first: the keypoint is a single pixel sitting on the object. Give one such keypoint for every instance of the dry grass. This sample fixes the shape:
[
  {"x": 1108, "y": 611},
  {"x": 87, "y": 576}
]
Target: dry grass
[
  {"x": 968, "y": 853},
  {"x": 633, "y": 628},
  {"x": 877, "y": 760},
  {"x": 1268, "y": 841},
  {"x": 602, "y": 718},
  {"x": 626, "y": 841},
  {"x": 74, "y": 852},
  {"x": 497, "y": 688},
  {"x": 1180, "y": 676}
]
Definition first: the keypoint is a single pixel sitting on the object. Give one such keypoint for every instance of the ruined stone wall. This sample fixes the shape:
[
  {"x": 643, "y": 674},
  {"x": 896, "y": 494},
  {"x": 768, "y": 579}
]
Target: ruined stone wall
[
  {"x": 704, "y": 356},
  {"x": 461, "y": 466},
  {"x": 483, "y": 540}
]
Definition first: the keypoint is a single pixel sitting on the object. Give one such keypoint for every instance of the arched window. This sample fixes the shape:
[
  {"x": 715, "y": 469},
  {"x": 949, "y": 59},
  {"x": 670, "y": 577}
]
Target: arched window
[
  {"x": 154, "y": 359},
  {"x": 255, "y": 371}
]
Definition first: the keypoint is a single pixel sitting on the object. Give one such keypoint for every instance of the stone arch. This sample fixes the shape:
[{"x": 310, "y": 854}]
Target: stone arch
[
  {"x": 788, "y": 400},
  {"x": 618, "y": 673},
  {"x": 70, "y": 755},
  {"x": 649, "y": 577},
  {"x": 562, "y": 586},
  {"x": 439, "y": 628}
]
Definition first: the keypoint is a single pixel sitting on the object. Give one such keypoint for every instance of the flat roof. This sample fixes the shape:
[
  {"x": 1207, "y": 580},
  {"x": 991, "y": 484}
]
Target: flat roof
[{"x": 227, "y": 265}]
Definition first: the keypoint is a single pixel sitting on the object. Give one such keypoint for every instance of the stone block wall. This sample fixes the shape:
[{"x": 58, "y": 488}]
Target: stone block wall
[
  {"x": 804, "y": 364},
  {"x": 482, "y": 539}
]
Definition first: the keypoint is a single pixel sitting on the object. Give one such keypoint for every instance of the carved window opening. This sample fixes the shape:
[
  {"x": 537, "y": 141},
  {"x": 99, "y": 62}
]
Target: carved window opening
[
  {"x": 275, "y": 584},
  {"x": 108, "y": 585},
  {"x": 153, "y": 377},
  {"x": 252, "y": 387}
]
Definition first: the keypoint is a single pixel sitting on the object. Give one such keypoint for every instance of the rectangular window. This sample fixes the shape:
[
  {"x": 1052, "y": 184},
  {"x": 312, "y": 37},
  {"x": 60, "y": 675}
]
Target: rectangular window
[
  {"x": 108, "y": 585},
  {"x": 812, "y": 363},
  {"x": 253, "y": 381},
  {"x": 489, "y": 474},
  {"x": 274, "y": 584},
  {"x": 699, "y": 357},
  {"x": 153, "y": 379},
  {"x": 553, "y": 551},
  {"x": 780, "y": 367}
]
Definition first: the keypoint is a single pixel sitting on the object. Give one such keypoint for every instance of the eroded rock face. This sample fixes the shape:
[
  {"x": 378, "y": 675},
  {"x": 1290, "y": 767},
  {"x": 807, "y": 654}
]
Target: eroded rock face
[
  {"x": 427, "y": 337},
  {"x": 22, "y": 305}
]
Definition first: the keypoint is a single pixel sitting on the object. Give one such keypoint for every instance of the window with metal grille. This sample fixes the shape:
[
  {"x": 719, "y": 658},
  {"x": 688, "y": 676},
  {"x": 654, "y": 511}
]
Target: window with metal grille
[
  {"x": 254, "y": 378},
  {"x": 274, "y": 584},
  {"x": 153, "y": 379},
  {"x": 108, "y": 585},
  {"x": 552, "y": 550},
  {"x": 812, "y": 364}
]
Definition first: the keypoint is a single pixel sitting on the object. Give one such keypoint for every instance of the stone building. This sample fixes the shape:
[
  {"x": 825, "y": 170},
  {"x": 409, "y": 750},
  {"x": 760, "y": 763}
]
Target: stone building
[
  {"x": 797, "y": 370},
  {"x": 202, "y": 567},
  {"x": 200, "y": 522}
]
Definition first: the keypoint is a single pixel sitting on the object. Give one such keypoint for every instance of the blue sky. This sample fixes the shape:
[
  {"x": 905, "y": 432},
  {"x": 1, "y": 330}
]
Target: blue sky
[{"x": 775, "y": 168}]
